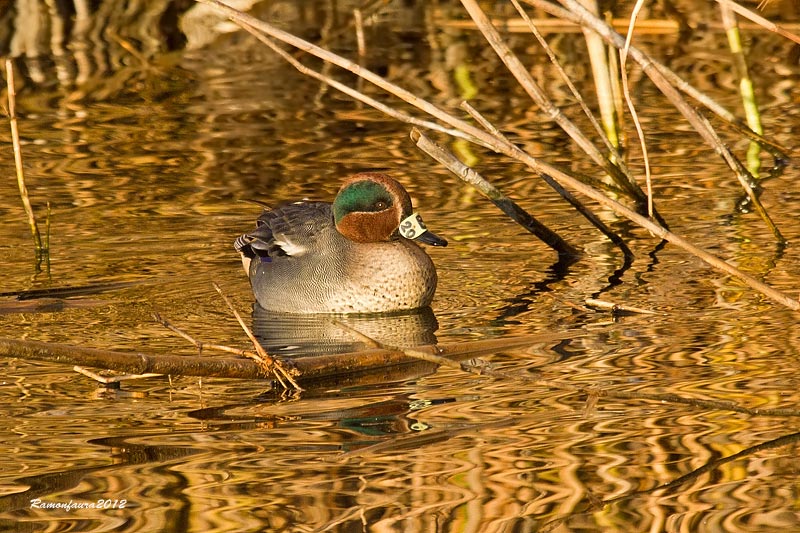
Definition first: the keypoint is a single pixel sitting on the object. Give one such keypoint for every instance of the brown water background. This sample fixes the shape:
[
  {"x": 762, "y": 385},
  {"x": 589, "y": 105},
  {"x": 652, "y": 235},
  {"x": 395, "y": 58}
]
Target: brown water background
[{"x": 144, "y": 157}]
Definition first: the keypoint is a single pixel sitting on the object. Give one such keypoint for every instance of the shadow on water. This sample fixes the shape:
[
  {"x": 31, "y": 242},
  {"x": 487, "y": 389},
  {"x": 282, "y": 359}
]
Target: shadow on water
[{"x": 556, "y": 273}]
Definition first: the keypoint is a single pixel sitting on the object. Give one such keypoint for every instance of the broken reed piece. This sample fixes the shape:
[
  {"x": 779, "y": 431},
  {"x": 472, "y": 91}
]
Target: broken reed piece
[{"x": 616, "y": 308}]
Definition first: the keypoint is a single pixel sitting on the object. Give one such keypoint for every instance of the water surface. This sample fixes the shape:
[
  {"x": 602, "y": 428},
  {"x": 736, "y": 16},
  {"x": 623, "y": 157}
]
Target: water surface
[{"x": 144, "y": 164}]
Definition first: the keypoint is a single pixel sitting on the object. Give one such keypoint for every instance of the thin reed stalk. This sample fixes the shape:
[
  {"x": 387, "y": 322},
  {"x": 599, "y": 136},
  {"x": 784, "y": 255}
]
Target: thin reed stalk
[
  {"x": 619, "y": 173},
  {"x": 23, "y": 189},
  {"x": 761, "y": 21},
  {"x": 623, "y": 58}
]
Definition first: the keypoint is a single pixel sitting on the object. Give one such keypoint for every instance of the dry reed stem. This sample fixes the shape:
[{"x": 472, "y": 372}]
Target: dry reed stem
[
  {"x": 505, "y": 204},
  {"x": 513, "y": 151},
  {"x": 355, "y": 94},
  {"x": 494, "y": 195},
  {"x": 655, "y": 73},
  {"x": 645, "y": 27},
  {"x": 602, "y": 76},
  {"x": 619, "y": 173},
  {"x": 23, "y": 190},
  {"x": 761, "y": 21},
  {"x": 359, "y": 25},
  {"x": 618, "y": 41},
  {"x": 339, "y": 61}
]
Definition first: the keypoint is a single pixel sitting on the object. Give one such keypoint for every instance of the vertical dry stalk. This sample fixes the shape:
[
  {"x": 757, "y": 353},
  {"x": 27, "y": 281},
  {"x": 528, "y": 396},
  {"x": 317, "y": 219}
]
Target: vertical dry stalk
[
  {"x": 359, "y": 24},
  {"x": 745, "y": 85},
  {"x": 577, "y": 13},
  {"x": 602, "y": 75},
  {"x": 23, "y": 190}
]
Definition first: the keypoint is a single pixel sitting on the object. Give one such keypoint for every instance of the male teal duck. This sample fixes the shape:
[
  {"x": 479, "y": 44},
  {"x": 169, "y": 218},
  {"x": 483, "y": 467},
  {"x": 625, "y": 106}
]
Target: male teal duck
[{"x": 356, "y": 255}]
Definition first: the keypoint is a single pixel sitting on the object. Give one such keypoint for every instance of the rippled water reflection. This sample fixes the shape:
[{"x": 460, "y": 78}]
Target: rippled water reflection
[{"x": 143, "y": 173}]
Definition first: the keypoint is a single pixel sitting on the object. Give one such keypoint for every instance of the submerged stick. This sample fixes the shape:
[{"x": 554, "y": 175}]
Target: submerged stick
[
  {"x": 23, "y": 190},
  {"x": 503, "y": 202}
]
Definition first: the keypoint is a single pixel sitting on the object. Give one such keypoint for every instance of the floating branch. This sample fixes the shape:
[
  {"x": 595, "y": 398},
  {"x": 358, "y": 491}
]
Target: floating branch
[
  {"x": 301, "y": 368},
  {"x": 326, "y": 366}
]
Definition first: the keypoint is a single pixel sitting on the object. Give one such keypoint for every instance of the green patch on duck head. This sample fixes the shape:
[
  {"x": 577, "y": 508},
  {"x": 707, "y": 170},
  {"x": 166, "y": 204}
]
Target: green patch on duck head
[{"x": 361, "y": 197}]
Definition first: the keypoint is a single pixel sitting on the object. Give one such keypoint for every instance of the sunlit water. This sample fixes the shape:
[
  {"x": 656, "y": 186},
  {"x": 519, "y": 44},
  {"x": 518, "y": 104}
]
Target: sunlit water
[{"x": 143, "y": 174}]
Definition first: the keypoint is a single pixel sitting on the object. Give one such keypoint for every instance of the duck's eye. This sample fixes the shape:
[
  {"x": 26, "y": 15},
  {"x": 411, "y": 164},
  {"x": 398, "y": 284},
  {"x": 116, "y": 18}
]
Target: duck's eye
[{"x": 380, "y": 205}]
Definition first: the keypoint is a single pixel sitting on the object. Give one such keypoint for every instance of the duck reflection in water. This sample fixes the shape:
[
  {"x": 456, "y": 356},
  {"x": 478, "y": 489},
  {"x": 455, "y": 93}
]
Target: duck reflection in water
[{"x": 302, "y": 335}]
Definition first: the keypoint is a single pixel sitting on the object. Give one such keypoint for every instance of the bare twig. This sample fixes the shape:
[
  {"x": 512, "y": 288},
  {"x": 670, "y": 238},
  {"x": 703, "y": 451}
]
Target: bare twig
[
  {"x": 200, "y": 345},
  {"x": 263, "y": 358},
  {"x": 106, "y": 380}
]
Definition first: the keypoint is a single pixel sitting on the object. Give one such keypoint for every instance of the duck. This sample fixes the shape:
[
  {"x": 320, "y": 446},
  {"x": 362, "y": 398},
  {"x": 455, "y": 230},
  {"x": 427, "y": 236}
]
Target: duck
[{"x": 359, "y": 254}]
